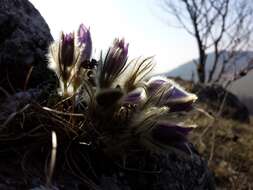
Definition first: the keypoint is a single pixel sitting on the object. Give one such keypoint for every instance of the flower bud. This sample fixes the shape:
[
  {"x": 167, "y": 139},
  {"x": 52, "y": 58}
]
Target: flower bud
[
  {"x": 67, "y": 49},
  {"x": 136, "y": 96},
  {"x": 168, "y": 133},
  {"x": 170, "y": 94},
  {"x": 114, "y": 62},
  {"x": 84, "y": 39}
]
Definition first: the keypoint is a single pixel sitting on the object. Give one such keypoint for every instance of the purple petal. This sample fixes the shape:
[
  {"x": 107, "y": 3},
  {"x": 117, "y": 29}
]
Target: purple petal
[
  {"x": 82, "y": 33},
  {"x": 171, "y": 94},
  {"x": 123, "y": 46},
  {"x": 114, "y": 62},
  {"x": 135, "y": 97},
  {"x": 170, "y": 133},
  {"x": 67, "y": 49},
  {"x": 155, "y": 85},
  {"x": 120, "y": 45},
  {"x": 174, "y": 127},
  {"x": 68, "y": 38},
  {"x": 176, "y": 95},
  {"x": 84, "y": 38}
]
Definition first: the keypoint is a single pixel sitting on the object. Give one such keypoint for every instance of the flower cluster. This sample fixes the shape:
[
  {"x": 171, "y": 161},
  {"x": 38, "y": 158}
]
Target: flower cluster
[
  {"x": 69, "y": 58},
  {"x": 123, "y": 101}
]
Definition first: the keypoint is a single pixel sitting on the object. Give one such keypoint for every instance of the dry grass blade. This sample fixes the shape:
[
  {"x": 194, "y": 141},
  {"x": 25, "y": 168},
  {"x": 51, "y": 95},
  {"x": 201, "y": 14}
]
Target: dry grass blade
[
  {"x": 204, "y": 112},
  {"x": 52, "y": 159},
  {"x": 28, "y": 77},
  {"x": 63, "y": 113},
  {"x": 75, "y": 169},
  {"x": 12, "y": 116},
  {"x": 87, "y": 94},
  {"x": 62, "y": 101},
  {"x": 4, "y": 92}
]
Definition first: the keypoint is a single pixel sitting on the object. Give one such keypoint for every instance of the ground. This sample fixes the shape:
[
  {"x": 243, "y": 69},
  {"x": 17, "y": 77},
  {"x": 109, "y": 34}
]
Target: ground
[{"x": 227, "y": 146}]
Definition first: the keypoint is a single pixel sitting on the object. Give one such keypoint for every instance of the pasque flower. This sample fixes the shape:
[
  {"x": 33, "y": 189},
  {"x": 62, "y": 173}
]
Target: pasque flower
[
  {"x": 165, "y": 92},
  {"x": 156, "y": 83},
  {"x": 136, "y": 97},
  {"x": 121, "y": 100},
  {"x": 170, "y": 133},
  {"x": 169, "y": 93},
  {"x": 66, "y": 54},
  {"x": 85, "y": 42},
  {"x": 66, "y": 58},
  {"x": 61, "y": 60},
  {"x": 113, "y": 64},
  {"x": 67, "y": 48}
]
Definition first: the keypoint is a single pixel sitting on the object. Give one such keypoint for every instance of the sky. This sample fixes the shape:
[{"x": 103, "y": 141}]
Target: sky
[{"x": 142, "y": 23}]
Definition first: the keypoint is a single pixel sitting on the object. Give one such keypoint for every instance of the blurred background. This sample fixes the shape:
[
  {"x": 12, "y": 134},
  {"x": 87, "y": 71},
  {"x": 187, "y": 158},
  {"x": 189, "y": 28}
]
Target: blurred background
[
  {"x": 216, "y": 42},
  {"x": 143, "y": 24}
]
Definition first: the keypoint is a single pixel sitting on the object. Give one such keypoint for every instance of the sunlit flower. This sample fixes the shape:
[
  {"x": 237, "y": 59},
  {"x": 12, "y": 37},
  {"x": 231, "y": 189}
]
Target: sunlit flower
[
  {"x": 169, "y": 132},
  {"x": 67, "y": 57},
  {"x": 67, "y": 50},
  {"x": 169, "y": 94},
  {"x": 61, "y": 60},
  {"x": 156, "y": 83},
  {"x": 120, "y": 96},
  {"x": 178, "y": 95},
  {"x": 136, "y": 96},
  {"x": 113, "y": 63},
  {"x": 84, "y": 40},
  {"x": 172, "y": 134}
]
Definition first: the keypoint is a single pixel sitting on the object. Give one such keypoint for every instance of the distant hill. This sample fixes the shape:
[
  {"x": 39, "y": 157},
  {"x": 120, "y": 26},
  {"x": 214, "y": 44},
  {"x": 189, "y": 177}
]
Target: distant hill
[{"x": 243, "y": 88}]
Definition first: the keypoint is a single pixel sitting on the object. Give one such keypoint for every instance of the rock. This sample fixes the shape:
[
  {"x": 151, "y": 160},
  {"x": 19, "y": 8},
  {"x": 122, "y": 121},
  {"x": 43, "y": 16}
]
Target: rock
[
  {"x": 16, "y": 102},
  {"x": 214, "y": 95},
  {"x": 89, "y": 169},
  {"x": 24, "y": 39},
  {"x": 168, "y": 171}
]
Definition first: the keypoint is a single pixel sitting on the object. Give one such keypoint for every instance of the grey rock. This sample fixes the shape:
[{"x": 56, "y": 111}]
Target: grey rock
[
  {"x": 24, "y": 40},
  {"x": 170, "y": 170},
  {"x": 214, "y": 96},
  {"x": 174, "y": 171},
  {"x": 16, "y": 102}
]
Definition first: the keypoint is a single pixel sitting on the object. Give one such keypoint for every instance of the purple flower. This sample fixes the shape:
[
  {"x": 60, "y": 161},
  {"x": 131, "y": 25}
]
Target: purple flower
[
  {"x": 135, "y": 97},
  {"x": 155, "y": 84},
  {"x": 84, "y": 39},
  {"x": 178, "y": 96},
  {"x": 67, "y": 49},
  {"x": 173, "y": 135},
  {"x": 170, "y": 94},
  {"x": 180, "y": 100},
  {"x": 116, "y": 57},
  {"x": 121, "y": 45},
  {"x": 169, "y": 133},
  {"x": 114, "y": 63}
]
